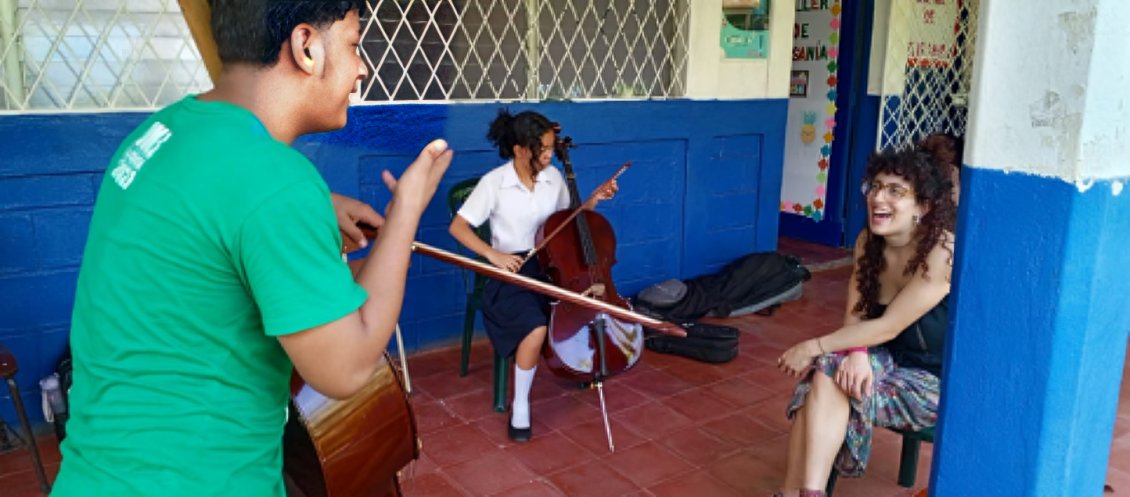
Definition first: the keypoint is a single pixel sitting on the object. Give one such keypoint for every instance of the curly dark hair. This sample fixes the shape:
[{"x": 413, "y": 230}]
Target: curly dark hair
[
  {"x": 932, "y": 188},
  {"x": 253, "y": 31},
  {"x": 523, "y": 129},
  {"x": 946, "y": 149}
]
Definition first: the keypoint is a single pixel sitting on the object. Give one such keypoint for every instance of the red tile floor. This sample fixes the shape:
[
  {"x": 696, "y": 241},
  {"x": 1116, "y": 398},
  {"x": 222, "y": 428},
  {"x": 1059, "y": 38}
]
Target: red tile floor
[{"x": 681, "y": 428}]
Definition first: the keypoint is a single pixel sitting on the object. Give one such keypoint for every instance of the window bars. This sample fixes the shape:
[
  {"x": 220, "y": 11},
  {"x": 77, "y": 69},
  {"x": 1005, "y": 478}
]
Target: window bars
[
  {"x": 525, "y": 49},
  {"x": 95, "y": 54},
  {"x": 138, "y": 54},
  {"x": 928, "y": 70}
]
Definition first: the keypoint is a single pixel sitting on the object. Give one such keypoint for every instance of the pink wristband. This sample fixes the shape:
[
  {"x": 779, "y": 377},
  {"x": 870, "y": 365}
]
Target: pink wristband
[{"x": 855, "y": 349}]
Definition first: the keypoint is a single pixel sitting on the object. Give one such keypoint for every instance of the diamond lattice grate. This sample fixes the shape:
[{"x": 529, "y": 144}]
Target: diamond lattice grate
[
  {"x": 95, "y": 54},
  {"x": 139, "y": 54},
  {"x": 936, "y": 76},
  {"x": 525, "y": 49}
]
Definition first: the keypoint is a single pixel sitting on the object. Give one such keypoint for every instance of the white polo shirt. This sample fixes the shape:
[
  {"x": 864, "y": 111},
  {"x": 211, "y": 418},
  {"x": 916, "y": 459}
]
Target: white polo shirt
[{"x": 515, "y": 213}]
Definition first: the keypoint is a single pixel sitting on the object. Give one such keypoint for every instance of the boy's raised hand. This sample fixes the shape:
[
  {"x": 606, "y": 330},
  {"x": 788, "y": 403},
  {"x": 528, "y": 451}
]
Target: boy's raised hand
[{"x": 415, "y": 188}]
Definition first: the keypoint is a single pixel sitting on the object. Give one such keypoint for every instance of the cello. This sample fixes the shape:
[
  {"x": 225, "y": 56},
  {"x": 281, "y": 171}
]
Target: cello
[
  {"x": 355, "y": 446},
  {"x": 584, "y": 343}
]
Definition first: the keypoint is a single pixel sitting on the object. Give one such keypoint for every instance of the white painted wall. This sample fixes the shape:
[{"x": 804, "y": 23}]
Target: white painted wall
[
  {"x": 711, "y": 75},
  {"x": 1064, "y": 111},
  {"x": 879, "y": 27},
  {"x": 1105, "y": 140},
  {"x": 894, "y": 26}
]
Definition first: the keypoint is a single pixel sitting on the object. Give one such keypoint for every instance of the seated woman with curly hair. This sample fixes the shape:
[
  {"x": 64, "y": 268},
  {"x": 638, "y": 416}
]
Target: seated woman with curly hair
[{"x": 881, "y": 368}]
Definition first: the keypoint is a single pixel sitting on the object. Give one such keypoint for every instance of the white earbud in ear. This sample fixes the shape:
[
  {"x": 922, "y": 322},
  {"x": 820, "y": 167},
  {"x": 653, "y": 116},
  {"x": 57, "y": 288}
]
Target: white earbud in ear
[{"x": 308, "y": 61}]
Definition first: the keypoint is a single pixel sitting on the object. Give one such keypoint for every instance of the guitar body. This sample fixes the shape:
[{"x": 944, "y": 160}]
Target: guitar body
[{"x": 352, "y": 447}]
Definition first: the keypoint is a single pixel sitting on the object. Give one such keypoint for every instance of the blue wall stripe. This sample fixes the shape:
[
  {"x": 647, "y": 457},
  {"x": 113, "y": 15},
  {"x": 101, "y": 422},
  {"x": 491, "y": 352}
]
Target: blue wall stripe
[{"x": 863, "y": 139}]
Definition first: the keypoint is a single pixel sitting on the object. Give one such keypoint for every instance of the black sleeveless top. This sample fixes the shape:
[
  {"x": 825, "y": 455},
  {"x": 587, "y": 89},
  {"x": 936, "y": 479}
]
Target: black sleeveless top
[{"x": 920, "y": 345}]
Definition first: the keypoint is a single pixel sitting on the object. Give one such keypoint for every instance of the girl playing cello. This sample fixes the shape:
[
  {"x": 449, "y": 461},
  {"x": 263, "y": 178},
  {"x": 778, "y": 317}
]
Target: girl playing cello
[{"x": 516, "y": 198}]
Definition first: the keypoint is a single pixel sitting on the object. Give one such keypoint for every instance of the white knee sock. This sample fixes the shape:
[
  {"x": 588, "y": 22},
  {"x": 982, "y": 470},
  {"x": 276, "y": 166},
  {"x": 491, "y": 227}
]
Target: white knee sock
[{"x": 520, "y": 409}]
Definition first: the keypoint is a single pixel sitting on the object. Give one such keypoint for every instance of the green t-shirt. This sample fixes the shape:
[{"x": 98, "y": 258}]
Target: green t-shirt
[{"x": 209, "y": 239}]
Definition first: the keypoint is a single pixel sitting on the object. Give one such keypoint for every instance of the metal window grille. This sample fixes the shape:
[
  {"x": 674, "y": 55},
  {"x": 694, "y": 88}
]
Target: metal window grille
[
  {"x": 525, "y": 49},
  {"x": 139, "y": 54},
  {"x": 931, "y": 70},
  {"x": 95, "y": 54}
]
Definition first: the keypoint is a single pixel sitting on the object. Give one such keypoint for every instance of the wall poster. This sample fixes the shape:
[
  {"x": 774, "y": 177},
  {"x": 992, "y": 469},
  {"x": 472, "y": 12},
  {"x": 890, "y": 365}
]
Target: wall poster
[{"x": 812, "y": 107}]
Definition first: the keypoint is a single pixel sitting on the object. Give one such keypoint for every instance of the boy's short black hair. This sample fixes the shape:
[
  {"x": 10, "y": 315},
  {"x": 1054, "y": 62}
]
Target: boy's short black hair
[{"x": 253, "y": 31}]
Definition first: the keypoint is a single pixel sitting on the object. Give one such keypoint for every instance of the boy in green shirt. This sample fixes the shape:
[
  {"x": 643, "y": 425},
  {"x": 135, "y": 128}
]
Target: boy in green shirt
[{"x": 214, "y": 263}]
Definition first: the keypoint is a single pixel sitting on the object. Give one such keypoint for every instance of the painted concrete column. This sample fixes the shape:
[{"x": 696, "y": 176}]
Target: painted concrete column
[{"x": 1042, "y": 277}]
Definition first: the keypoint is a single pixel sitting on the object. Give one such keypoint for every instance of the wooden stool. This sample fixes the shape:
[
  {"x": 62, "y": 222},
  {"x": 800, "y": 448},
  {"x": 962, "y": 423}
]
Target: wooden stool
[{"x": 8, "y": 368}]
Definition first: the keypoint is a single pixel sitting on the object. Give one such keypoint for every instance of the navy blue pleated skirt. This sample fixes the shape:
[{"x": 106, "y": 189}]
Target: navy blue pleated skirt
[{"x": 511, "y": 312}]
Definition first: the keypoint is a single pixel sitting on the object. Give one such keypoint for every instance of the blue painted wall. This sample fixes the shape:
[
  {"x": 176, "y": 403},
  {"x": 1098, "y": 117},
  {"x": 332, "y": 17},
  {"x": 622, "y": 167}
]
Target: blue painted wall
[
  {"x": 1037, "y": 343},
  {"x": 862, "y": 139},
  {"x": 704, "y": 189}
]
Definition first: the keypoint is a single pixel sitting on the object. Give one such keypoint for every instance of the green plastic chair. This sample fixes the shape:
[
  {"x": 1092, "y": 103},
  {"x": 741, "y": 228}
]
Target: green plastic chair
[
  {"x": 908, "y": 459},
  {"x": 474, "y": 287}
]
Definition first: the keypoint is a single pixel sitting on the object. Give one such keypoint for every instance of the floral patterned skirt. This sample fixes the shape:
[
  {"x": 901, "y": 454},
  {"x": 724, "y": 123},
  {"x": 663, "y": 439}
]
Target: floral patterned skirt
[{"x": 902, "y": 398}]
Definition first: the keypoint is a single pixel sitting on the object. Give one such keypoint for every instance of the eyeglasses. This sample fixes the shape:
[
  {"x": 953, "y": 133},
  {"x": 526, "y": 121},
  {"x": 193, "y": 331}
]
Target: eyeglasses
[{"x": 894, "y": 191}]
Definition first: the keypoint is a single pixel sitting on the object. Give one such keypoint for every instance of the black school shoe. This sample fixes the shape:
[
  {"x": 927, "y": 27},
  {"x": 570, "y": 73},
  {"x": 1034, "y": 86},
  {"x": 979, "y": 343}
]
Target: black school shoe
[{"x": 520, "y": 435}]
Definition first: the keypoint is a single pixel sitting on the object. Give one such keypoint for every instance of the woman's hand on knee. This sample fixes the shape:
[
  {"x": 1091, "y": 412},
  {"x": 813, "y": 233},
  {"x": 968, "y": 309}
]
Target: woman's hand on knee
[
  {"x": 854, "y": 376},
  {"x": 798, "y": 359}
]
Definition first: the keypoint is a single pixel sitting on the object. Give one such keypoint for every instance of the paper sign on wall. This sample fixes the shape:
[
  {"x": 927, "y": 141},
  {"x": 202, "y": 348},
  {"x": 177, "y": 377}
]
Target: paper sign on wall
[{"x": 812, "y": 107}]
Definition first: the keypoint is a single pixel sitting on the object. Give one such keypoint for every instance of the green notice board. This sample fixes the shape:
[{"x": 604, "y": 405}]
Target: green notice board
[{"x": 745, "y": 31}]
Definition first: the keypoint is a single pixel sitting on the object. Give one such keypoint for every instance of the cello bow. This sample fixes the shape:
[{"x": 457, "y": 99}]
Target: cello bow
[{"x": 541, "y": 287}]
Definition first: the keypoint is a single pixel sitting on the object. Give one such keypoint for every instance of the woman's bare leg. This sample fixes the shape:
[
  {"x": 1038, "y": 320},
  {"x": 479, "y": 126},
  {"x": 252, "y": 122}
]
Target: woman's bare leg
[
  {"x": 794, "y": 469},
  {"x": 826, "y": 411}
]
